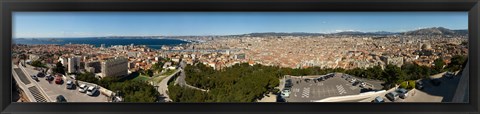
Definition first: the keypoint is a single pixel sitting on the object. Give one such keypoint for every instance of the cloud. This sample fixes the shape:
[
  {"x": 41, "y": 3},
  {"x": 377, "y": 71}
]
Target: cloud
[{"x": 350, "y": 30}]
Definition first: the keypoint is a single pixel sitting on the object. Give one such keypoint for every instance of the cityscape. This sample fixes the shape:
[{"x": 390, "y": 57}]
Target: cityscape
[{"x": 413, "y": 65}]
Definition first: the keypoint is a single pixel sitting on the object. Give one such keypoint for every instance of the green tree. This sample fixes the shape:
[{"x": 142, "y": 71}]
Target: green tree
[
  {"x": 438, "y": 65},
  {"x": 394, "y": 74},
  {"x": 149, "y": 72},
  {"x": 59, "y": 68},
  {"x": 38, "y": 63},
  {"x": 87, "y": 77},
  {"x": 157, "y": 67},
  {"x": 456, "y": 62}
]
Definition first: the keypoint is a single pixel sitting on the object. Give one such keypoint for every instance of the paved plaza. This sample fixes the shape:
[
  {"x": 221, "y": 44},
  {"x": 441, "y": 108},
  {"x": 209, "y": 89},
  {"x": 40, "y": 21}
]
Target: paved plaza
[{"x": 312, "y": 90}]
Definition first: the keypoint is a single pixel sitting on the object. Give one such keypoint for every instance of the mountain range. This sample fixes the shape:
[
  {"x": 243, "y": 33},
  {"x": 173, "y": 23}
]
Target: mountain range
[{"x": 424, "y": 31}]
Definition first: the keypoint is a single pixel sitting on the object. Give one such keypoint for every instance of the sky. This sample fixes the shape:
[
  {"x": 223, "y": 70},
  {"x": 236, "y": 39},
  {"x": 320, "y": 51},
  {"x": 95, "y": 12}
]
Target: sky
[{"x": 95, "y": 24}]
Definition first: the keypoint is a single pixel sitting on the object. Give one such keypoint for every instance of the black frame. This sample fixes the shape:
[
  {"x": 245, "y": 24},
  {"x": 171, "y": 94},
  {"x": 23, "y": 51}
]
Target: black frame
[{"x": 7, "y": 6}]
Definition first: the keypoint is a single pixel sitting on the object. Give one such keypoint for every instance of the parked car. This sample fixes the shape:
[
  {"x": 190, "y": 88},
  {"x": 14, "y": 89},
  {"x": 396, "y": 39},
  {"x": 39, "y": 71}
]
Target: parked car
[
  {"x": 436, "y": 82},
  {"x": 49, "y": 78},
  {"x": 355, "y": 83},
  {"x": 285, "y": 93},
  {"x": 60, "y": 98},
  {"x": 91, "y": 90},
  {"x": 378, "y": 99},
  {"x": 58, "y": 80},
  {"x": 320, "y": 79},
  {"x": 403, "y": 93},
  {"x": 34, "y": 77},
  {"x": 288, "y": 83},
  {"x": 70, "y": 85},
  {"x": 307, "y": 80},
  {"x": 392, "y": 96},
  {"x": 419, "y": 85},
  {"x": 449, "y": 75},
  {"x": 363, "y": 84},
  {"x": 73, "y": 77},
  {"x": 40, "y": 74},
  {"x": 353, "y": 80},
  {"x": 82, "y": 88}
]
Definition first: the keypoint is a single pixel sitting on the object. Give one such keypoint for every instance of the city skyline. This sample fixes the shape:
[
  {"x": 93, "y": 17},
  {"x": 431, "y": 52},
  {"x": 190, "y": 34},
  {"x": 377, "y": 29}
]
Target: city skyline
[{"x": 97, "y": 24}]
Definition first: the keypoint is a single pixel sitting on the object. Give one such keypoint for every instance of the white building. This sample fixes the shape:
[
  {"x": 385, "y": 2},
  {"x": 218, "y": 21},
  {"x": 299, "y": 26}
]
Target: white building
[
  {"x": 73, "y": 64},
  {"x": 34, "y": 57},
  {"x": 63, "y": 61}
]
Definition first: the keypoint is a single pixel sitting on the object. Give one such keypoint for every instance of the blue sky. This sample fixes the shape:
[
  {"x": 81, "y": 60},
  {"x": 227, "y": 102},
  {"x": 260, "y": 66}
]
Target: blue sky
[{"x": 92, "y": 24}]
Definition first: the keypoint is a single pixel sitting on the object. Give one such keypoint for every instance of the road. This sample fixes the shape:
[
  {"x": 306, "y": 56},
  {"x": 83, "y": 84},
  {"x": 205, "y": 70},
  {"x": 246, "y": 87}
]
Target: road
[
  {"x": 181, "y": 79},
  {"x": 163, "y": 87},
  {"x": 53, "y": 90}
]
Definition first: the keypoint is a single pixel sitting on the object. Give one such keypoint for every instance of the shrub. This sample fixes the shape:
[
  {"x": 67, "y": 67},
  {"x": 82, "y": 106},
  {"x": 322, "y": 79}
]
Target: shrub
[
  {"x": 403, "y": 84},
  {"x": 411, "y": 84}
]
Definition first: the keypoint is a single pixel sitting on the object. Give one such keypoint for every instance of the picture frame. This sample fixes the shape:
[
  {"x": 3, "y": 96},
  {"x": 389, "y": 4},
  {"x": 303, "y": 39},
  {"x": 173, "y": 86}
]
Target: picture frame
[{"x": 9, "y": 6}]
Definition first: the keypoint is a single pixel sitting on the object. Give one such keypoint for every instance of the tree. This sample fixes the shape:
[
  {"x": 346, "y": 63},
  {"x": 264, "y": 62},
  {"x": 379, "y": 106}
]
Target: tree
[
  {"x": 87, "y": 77},
  {"x": 149, "y": 72},
  {"x": 438, "y": 65},
  {"x": 38, "y": 63},
  {"x": 394, "y": 74},
  {"x": 59, "y": 68},
  {"x": 456, "y": 62},
  {"x": 157, "y": 67}
]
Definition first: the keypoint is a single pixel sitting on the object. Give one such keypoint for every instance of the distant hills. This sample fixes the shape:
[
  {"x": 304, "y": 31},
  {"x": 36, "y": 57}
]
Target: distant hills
[
  {"x": 437, "y": 31},
  {"x": 424, "y": 31}
]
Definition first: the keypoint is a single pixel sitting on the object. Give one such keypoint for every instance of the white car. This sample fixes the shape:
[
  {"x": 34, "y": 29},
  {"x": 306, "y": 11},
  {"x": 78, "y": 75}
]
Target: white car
[
  {"x": 73, "y": 77},
  {"x": 83, "y": 88},
  {"x": 91, "y": 90},
  {"x": 353, "y": 80},
  {"x": 70, "y": 85},
  {"x": 285, "y": 93}
]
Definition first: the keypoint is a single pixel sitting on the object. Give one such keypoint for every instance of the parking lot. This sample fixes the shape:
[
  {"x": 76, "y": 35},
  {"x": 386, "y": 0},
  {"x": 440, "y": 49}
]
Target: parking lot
[
  {"x": 430, "y": 93},
  {"x": 307, "y": 91},
  {"x": 53, "y": 90}
]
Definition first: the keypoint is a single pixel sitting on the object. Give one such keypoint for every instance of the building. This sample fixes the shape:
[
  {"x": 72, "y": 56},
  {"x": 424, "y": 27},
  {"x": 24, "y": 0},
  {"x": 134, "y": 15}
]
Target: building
[
  {"x": 63, "y": 61},
  {"x": 90, "y": 69},
  {"x": 131, "y": 65},
  {"x": 33, "y": 57},
  {"x": 114, "y": 67},
  {"x": 132, "y": 54},
  {"x": 94, "y": 66},
  {"x": 397, "y": 61},
  {"x": 239, "y": 56},
  {"x": 73, "y": 64}
]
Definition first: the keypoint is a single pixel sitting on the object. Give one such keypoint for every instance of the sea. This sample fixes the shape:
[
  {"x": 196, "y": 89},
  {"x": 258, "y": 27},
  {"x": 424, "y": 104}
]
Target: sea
[{"x": 151, "y": 43}]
